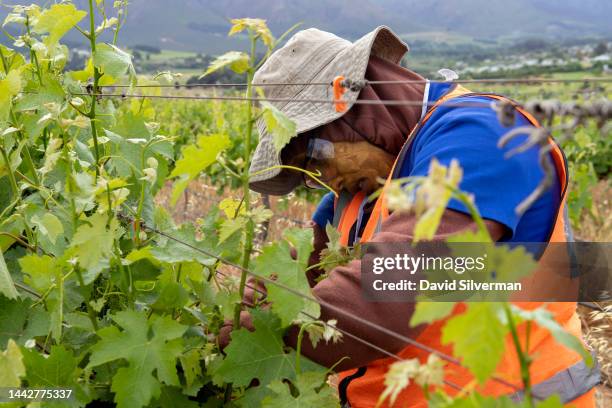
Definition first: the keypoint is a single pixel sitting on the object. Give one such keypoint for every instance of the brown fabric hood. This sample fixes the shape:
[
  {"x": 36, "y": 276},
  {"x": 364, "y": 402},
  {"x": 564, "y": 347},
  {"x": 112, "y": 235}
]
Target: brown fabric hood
[{"x": 386, "y": 126}]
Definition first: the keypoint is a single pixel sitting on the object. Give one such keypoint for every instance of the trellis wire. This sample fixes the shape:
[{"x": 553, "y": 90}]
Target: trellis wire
[
  {"x": 601, "y": 109},
  {"x": 397, "y": 82}
]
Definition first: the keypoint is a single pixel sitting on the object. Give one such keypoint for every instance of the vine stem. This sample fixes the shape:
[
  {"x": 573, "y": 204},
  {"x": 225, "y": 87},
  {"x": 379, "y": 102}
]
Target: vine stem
[
  {"x": 27, "y": 155},
  {"x": 523, "y": 356},
  {"x": 246, "y": 200},
  {"x": 90, "y": 311},
  {"x": 249, "y": 230},
  {"x": 4, "y": 63},
  {"x": 11, "y": 174},
  {"x": 92, "y": 111},
  {"x": 298, "y": 347},
  {"x": 33, "y": 56}
]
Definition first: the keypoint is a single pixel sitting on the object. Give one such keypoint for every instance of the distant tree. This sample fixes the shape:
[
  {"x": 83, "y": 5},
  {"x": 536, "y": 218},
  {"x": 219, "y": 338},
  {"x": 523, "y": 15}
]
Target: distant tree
[
  {"x": 600, "y": 49},
  {"x": 530, "y": 45},
  {"x": 147, "y": 48}
]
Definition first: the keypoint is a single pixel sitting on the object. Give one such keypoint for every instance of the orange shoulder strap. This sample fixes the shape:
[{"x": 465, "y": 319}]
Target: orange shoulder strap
[{"x": 348, "y": 217}]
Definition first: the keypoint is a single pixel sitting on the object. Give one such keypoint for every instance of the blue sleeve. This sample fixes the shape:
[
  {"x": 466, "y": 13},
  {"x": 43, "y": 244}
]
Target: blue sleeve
[
  {"x": 324, "y": 213},
  {"x": 470, "y": 135}
]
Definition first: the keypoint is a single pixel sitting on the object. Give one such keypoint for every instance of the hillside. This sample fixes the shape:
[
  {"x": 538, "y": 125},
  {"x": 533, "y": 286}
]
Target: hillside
[{"x": 201, "y": 25}]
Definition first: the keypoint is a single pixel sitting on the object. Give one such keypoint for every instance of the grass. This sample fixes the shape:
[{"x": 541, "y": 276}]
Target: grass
[{"x": 167, "y": 55}]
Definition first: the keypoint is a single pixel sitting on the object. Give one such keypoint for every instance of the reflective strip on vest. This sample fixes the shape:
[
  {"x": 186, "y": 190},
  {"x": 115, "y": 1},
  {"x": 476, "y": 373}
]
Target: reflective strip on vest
[{"x": 568, "y": 384}]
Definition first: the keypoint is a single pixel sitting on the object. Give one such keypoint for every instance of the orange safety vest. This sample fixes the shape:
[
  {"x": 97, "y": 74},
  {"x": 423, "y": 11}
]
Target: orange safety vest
[{"x": 553, "y": 364}]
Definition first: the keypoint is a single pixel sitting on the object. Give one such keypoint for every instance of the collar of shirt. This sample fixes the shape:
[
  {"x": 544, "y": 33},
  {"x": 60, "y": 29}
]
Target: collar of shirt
[{"x": 435, "y": 90}]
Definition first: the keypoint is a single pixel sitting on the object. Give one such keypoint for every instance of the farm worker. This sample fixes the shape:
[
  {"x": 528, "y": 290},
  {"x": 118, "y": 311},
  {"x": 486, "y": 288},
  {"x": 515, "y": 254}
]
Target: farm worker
[{"x": 352, "y": 149}]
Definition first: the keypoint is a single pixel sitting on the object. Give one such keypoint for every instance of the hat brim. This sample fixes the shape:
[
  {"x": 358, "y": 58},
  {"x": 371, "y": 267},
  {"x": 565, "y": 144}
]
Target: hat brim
[{"x": 351, "y": 62}]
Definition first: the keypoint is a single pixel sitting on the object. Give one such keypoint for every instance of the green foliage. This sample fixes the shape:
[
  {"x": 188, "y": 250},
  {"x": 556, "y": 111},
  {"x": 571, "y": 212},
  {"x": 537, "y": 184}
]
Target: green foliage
[
  {"x": 234, "y": 60},
  {"x": 312, "y": 393},
  {"x": 256, "y": 26},
  {"x": 93, "y": 241},
  {"x": 9, "y": 87},
  {"x": 276, "y": 260},
  {"x": 428, "y": 312},
  {"x": 20, "y": 322},
  {"x": 147, "y": 346},
  {"x": 195, "y": 159},
  {"x": 7, "y": 287},
  {"x": 57, "y": 370},
  {"x": 57, "y": 21},
  {"x": 545, "y": 319},
  {"x": 11, "y": 366},
  {"x": 114, "y": 62},
  {"x": 259, "y": 354},
  {"x": 485, "y": 337},
  {"x": 334, "y": 253},
  {"x": 106, "y": 307},
  {"x": 278, "y": 124}
]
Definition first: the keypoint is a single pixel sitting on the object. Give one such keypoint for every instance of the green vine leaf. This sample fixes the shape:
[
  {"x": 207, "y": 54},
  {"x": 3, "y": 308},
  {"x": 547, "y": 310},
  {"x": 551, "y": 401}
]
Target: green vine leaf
[
  {"x": 485, "y": 337},
  {"x": 336, "y": 254},
  {"x": 7, "y": 286},
  {"x": 428, "y": 312},
  {"x": 39, "y": 271},
  {"x": 9, "y": 87},
  {"x": 230, "y": 226},
  {"x": 170, "y": 251},
  {"x": 93, "y": 242},
  {"x": 312, "y": 389},
  {"x": 147, "y": 346},
  {"x": 432, "y": 197},
  {"x": 49, "y": 225},
  {"x": 546, "y": 320},
  {"x": 278, "y": 124},
  {"x": 58, "y": 20},
  {"x": 58, "y": 370},
  {"x": 195, "y": 159},
  {"x": 257, "y": 25},
  {"x": 114, "y": 62},
  {"x": 276, "y": 260},
  {"x": 20, "y": 321},
  {"x": 259, "y": 354},
  {"x": 235, "y": 60},
  {"x": 11, "y": 366}
]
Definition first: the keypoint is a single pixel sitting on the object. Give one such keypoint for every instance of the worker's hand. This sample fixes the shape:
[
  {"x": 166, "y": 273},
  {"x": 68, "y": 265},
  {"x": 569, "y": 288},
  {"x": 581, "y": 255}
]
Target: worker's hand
[
  {"x": 226, "y": 330},
  {"x": 255, "y": 291},
  {"x": 254, "y": 295}
]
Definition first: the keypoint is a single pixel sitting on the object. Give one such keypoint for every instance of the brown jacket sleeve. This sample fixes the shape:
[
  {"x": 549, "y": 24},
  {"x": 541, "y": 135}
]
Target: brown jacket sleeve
[{"x": 342, "y": 289}]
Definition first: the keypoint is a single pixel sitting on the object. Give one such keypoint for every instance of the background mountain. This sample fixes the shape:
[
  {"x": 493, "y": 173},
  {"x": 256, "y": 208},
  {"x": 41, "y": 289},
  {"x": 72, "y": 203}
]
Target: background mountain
[{"x": 202, "y": 25}]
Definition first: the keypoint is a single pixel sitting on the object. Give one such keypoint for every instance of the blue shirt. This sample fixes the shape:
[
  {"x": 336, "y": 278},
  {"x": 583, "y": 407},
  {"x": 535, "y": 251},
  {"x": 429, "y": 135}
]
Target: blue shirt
[{"x": 499, "y": 184}]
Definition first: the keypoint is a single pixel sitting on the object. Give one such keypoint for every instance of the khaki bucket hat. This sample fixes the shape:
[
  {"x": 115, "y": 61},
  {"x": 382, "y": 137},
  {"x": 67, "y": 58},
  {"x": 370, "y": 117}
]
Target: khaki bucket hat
[{"x": 312, "y": 57}]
